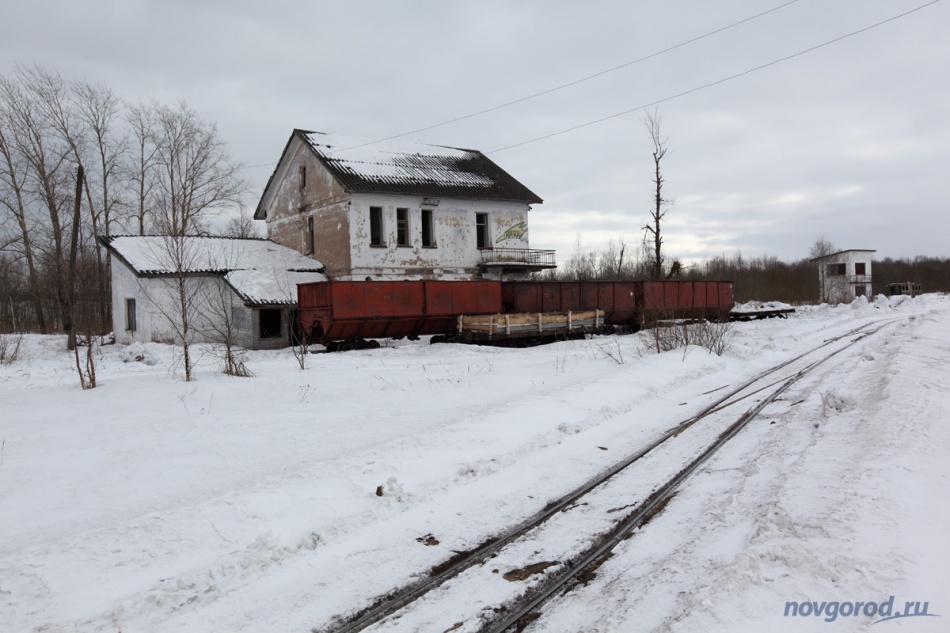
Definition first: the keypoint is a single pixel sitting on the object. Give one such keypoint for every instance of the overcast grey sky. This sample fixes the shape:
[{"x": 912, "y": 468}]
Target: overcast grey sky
[{"x": 850, "y": 141}]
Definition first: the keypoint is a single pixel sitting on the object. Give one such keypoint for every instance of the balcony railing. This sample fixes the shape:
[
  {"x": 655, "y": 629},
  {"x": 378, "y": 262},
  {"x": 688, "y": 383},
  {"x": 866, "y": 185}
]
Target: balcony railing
[
  {"x": 518, "y": 258},
  {"x": 861, "y": 279}
]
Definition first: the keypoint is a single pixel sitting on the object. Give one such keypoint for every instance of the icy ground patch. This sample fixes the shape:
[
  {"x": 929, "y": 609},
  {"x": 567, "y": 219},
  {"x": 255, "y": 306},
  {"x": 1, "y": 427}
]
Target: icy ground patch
[{"x": 277, "y": 502}]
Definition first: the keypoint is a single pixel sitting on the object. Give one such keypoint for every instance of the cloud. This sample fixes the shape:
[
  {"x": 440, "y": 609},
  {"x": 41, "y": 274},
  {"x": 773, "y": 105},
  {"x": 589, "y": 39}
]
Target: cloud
[{"x": 850, "y": 141}]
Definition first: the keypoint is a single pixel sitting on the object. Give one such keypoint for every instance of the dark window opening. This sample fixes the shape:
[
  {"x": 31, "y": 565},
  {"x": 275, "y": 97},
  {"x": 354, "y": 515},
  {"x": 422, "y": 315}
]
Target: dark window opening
[
  {"x": 481, "y": 230},
  {"x": 428, "y": 238},
  {"x": 860, "y": 291},
  {"x": 376, "y": 226},
  {"x": 402, "y": 227},
  {"x": 859, "y": 268},
  {"x": 270, "y": 323},
  {"x": 310, "y": 245},
  {"x": 833, "y": 270},
  {"x": 303, "y": 178},
  {"x": 130, "y": 324}
]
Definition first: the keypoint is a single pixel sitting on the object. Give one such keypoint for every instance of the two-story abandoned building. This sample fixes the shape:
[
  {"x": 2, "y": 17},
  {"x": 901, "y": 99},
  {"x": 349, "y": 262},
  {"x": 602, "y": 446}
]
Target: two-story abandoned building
[
  {"x": 844, "y": 275},
  {"x": 392, "y": 210}
]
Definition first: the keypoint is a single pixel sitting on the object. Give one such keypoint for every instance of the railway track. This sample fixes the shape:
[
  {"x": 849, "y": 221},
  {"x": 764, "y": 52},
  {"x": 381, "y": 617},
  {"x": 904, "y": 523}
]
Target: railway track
[{"x": 608, "y": 531}]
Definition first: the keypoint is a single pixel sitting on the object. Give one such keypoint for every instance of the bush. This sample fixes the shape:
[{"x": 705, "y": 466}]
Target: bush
[
  {"x": 10, "y": 345},
  {"x": 713, "y": 336}
]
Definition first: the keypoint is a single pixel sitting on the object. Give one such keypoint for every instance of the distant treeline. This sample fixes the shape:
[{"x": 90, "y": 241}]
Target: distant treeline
[
  {"x": 763, "y": 278},
  {"x": 769, "y": 279}
]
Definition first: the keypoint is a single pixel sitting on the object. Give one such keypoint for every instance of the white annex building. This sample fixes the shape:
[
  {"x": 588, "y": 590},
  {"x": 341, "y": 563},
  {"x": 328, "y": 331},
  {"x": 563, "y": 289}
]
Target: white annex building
[
  {"x": 844, "y": 275},
  {"x": 245, "y": 289},
  {"x": 392, "y": 210}
]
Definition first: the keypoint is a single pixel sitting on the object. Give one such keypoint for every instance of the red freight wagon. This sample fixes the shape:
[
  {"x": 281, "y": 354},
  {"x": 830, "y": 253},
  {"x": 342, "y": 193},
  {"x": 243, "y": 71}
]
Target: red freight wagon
[
  {"x": 357, "y": 310},
  {"x": 617, "y": 299},
  {"x": 687, "y": 299},
  {"x": 625, "y": 303}
]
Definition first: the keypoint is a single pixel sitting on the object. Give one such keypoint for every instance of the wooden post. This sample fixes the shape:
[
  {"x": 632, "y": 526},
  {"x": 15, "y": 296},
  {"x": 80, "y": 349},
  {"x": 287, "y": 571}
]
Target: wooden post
[{"x": 71, "y": 271}]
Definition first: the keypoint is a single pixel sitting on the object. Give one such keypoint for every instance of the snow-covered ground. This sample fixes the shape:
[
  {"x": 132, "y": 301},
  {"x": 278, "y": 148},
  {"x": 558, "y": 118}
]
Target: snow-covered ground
[{"x": 250, "y": 504}]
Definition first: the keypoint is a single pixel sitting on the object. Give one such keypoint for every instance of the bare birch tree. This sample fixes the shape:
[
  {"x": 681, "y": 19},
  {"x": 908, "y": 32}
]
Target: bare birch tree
[
  {"x": 140, "y": 170},
  {"x": 195, "y": 172},
  {"x": 194, "y": 175},
  {"x": 180, "y": 292},
  {"x": 215, "y": 315},
  {"x": 44, "y": 163},
  {"x": 13, "y": 200},
  {"x": 98, "y": 112}
]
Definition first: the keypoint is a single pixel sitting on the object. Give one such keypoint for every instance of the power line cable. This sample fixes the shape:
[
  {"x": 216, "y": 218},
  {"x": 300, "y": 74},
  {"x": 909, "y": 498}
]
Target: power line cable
[
  {"x": 715, "y": 83},
  {"x": 571, "y": 83}
]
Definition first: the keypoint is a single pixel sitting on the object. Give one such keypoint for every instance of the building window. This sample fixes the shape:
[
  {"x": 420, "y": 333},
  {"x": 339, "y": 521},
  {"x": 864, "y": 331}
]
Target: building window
[
  {"x": 402, "y": 227},
  {"x": 428, "y": 235},
  {"x": 859, "y": 268},
  {"x": 130, "y": 324},
  {"x": 302, "y": 173},
  {"x": 270, "y": 323},
  {"x": 834, "y": 270},
  {"x": 376, "y": 226},
  {"x": 860, "y": 291},
  {"x": 481, "y": 230},
  {"x": 310, "y": 240}
]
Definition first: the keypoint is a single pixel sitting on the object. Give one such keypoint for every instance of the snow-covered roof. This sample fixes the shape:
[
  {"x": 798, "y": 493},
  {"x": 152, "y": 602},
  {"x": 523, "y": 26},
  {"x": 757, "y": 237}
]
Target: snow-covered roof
[
  {"x": 850, "y": 250},
  {"x": 366, "y": 166},
  {"x": 262, "y": 272}
]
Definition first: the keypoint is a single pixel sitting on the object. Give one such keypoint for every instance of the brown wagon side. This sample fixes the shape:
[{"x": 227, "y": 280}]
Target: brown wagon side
[{"x": 334, "y": 311}]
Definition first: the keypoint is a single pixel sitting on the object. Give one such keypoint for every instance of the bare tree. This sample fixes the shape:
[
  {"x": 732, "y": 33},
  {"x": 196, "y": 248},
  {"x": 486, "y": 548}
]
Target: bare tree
[
  {"x": 98, "y": 112},
  {"x": 194, "y": 175},
  {"x": 44, "y": 161},
  {"x": 822, "y": 248},
  {"x": 13, "y": 195},
  {"x": 142, "y": 162},
  {"x": 215, "y": 316},
  {"x": 242, "y": 225},
  {"x": 652, "y": 121},
  {"x": 178, "y": 295},
  {"x": 582, "y": 264},
  {"x": 85, "y": 318},
  {"x": 162, "y": 167},
  {"x": 195, "y": 172}
]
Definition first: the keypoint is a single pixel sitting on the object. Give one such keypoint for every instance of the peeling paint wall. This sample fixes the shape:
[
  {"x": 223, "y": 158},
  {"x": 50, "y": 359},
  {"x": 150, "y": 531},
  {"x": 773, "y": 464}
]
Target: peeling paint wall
[
  {"x": 311, "y": 195},
  {"x": 455, "y": 254}
]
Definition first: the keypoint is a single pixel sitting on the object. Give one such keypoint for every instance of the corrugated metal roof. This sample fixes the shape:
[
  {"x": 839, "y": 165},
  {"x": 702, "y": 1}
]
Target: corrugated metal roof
[{"x": 364, "y": 166}]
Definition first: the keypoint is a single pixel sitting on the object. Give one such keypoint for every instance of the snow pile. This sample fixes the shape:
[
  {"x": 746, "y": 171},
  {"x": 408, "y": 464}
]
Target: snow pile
[{"x": 761, "y": 306}]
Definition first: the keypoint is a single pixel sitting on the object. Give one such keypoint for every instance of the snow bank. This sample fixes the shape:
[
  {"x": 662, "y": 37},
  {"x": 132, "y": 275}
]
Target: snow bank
[{"x": 151, "y": 504}]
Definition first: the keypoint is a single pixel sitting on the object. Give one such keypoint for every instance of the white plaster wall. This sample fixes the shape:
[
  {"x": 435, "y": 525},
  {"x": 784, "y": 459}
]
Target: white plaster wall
[
  {"x": 455, "y": 255},
  {"x": 124, "y": 286},
  {"x": 158, "y": 313},
  {"x": 838, "y": 288}
]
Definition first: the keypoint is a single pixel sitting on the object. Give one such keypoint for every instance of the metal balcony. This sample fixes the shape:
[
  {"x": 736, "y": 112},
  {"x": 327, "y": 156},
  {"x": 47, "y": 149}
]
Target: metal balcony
[{"x": 517, "y": 259}]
